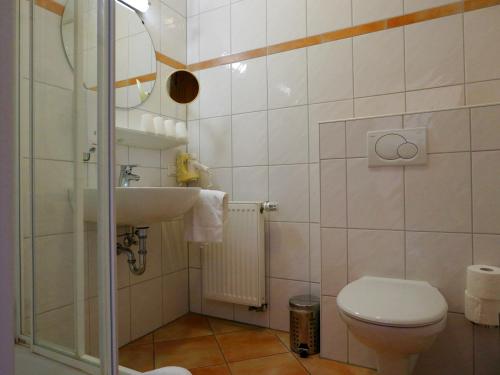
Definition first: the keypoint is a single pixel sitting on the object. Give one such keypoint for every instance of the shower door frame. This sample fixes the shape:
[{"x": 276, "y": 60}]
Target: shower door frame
[{"x": 107, "y": 364}]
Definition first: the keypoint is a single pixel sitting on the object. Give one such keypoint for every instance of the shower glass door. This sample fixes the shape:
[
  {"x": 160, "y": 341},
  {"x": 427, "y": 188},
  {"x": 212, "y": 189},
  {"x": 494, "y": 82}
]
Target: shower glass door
[{"x": 66, "y": 305}]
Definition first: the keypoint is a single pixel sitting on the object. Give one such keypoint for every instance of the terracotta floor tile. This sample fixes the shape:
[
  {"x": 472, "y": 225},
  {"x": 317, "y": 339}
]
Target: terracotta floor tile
[
  {"x": 283, "y": 336},
  {"x": 188, "y": 326},
  {"x": 280, "y": 364},
  {"x": 242, "y": 345},
  {"x": 137, "y": 357},
  {"x": 318, "y": 366},
  {"x": 213, "y": 370},
  {"x": 148, "y": 339},
  {"x": 188, "y": 353},
  {"x": 221, "y": 326}
]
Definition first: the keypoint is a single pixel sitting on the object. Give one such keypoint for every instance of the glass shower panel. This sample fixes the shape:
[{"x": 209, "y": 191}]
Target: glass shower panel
[{"x": 59, "y": 88}]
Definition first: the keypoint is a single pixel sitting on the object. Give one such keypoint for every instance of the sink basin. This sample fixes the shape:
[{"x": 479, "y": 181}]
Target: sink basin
[{"x": 144, "y": 205}]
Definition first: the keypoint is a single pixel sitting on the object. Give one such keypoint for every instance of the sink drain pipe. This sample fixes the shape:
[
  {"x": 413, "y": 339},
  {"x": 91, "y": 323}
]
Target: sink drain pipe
[{"x": 137, "y": 268}]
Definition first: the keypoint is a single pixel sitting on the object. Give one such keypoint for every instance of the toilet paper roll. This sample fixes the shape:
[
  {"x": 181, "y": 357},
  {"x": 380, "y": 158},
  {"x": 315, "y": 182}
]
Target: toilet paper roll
[
  {"x": 483, "y": 282},
  {"x": 482, "y": 311}
]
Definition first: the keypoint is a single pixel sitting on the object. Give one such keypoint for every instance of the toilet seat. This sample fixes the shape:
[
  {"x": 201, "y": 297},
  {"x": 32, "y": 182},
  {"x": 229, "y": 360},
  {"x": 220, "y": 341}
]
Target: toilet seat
[{"x": 392, "y": 302}]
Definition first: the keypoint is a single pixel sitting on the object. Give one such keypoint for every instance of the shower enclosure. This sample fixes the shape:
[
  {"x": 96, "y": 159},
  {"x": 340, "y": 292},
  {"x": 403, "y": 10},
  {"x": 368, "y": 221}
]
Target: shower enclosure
[{"x": 57, "y": 295}]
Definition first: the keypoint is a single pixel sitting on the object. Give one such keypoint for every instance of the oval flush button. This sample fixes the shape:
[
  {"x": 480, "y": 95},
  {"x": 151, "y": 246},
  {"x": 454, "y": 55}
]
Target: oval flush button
[{"x": 407, "y": 150}]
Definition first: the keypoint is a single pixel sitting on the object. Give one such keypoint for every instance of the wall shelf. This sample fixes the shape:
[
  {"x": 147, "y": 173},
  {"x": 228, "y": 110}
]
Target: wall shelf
[{"x": 138, "y": 138}]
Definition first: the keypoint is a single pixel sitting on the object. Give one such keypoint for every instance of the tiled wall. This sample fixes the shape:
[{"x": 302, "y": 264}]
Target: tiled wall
[
  {"x": 417, "y": 222},
  {"x": 256, "y": 121},
  {"x": 145, "y": 302}
]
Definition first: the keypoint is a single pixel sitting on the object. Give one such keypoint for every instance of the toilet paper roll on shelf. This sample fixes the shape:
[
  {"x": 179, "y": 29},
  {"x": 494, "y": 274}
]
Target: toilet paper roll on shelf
[{"x": 482, "y": 296}]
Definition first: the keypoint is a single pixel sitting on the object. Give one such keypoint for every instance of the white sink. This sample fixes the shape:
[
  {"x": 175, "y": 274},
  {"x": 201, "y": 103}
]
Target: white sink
[{"x": 144, "y": 205}]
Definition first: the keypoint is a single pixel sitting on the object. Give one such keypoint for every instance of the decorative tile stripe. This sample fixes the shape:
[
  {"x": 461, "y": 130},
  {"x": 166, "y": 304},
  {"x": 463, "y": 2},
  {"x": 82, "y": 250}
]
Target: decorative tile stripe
[
  {"x": 349, "y": 32},
  {"x": 131, "y": 81},
  {"x": 51, "y": 6},
  {"x": 169, "y": 61}
]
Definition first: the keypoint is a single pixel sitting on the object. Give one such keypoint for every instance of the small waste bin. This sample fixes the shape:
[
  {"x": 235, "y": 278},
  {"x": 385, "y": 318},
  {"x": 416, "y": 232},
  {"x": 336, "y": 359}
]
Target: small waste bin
[{"x": 304, "y": 325}]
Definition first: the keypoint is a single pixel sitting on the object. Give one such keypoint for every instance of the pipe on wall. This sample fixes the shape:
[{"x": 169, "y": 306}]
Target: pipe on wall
[{"x": 8, "y": 212}]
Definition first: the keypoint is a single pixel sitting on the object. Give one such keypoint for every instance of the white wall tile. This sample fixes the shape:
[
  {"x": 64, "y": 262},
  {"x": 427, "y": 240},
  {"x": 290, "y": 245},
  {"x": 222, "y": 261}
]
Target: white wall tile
[
  {"x": 363, "y": 11},
  {"x": 251, "y": 184},
  {"x": 175, "y": 295},
  {"x": 195, "y": 293},
  {"x": 379, "y": 63},
  {"x": 314, "y": 193},
  {"x": 485, "y": 128},
  {"x": 193, "y": 39},
  {"x": 215, "y": 30},
  {"x": 485, "y": 182},
  {"x": 287, "y": 78},
  {"x": 333, "y": 260},
  {"x": 193, "y": 7},
  {"x": 325, "y": 112},
  {"x": 173, "y": 34},
  {"x": 482, "y": 52},
  {"x": 356, "y": 131},
  {"x": 144, "y": 157},
  {"x": 281, "y": 291},
  {"x": 333, "y": 331},
  {"x": 289, "y": 186},
  {"x": 286, "y": 20},
  {"x": 434, "y": 53},
  {"x": 379, "y": 105},
  {"x": 333, "y": 193},
  {"x": 416, "y": 5},
  {"x": 288, "y": 136},
  {"x": 52, "y": 207},
  {"x": 438, "y": 194},
  {"x": 330, "y": 71},
  {"x": 249, "y": 85},
  {"x": 215, "y": 142},
  {"x": 215, "y": 91},
  {"x": 435, "y": 99},
  {"x": 57, "y": 327},
  {"x": 123, "y": 322},
  {"x": 248, "y": 25},
  {"x": 375, "y": 196},
  {"x": 173, "y": 246},
  {"x": 448, "y": 131},
  {"x": 178, "y": 5},
  {"x": 222, "y": 179},
  {"x": 206, "y": 5},
  {"x": 146, "y": 307},
  {"x": 483, "y": 92},
  {"x": 487, "y": 249},
  {"x": 440, "y": 259},
  {"x": 218, "y": 309},
  {"x": 54, "y": 267},
  {"x": 327, "y": 15},
  {"x": 332, "y": 140},
  {"x": 249, "y": 140},
  {"x": 315, "y": 252},
  {"x": 376, "y": 253}
]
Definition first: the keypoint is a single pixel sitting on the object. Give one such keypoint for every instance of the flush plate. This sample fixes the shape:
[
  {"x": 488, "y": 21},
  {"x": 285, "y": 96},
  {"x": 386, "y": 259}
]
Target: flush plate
[{"x": 397, "y": 147}]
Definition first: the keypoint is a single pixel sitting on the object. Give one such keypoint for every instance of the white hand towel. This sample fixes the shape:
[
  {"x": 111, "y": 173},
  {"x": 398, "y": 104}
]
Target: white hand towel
[{"x": 205, "y": 221}]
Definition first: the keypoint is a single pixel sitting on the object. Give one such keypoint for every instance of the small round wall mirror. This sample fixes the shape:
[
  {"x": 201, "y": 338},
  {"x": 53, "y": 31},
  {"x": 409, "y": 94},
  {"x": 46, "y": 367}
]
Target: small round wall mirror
[{"x": 183, "y": 86}]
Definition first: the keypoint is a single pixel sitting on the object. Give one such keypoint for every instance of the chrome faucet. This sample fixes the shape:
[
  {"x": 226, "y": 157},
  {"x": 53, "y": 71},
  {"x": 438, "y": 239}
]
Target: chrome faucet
[{"x": 126, "y": 175}]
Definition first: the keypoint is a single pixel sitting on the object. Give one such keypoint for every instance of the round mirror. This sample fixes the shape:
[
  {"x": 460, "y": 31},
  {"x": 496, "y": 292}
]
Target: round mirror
[
  {"x": 183, "y": 86},
  {"x": 135, "y": 54}
]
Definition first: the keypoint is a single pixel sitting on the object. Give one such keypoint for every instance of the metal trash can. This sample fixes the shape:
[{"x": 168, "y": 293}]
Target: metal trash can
[{"x": 304, "y": 324}]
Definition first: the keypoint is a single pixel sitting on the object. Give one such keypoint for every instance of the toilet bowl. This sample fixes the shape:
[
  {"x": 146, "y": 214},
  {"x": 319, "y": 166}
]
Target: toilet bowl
[
  {"x": 398, "y": 319},
  {"x": 171, "y": 370}
]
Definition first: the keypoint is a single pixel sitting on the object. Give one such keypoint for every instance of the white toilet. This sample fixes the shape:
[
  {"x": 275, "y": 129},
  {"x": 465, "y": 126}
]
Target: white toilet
[
  {"x": 398, "y": 319},
  {"x": 169, "y": 371}
]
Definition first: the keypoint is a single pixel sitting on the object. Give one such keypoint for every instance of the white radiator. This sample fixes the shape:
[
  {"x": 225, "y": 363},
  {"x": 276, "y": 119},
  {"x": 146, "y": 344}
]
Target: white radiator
[{"x": 234, "y": 271}]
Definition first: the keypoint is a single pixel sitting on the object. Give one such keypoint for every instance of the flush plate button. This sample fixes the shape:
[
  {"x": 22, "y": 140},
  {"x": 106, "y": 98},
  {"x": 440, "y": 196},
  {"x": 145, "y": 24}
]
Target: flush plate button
[{"x": 397, "y": 147}]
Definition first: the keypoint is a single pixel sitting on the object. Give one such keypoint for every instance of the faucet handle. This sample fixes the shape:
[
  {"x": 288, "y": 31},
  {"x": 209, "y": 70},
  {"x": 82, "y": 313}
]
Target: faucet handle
[{"x": 127, "y": 168}]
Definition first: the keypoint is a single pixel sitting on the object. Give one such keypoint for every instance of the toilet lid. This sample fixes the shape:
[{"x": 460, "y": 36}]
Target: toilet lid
[{"x": 392, "y": 302}]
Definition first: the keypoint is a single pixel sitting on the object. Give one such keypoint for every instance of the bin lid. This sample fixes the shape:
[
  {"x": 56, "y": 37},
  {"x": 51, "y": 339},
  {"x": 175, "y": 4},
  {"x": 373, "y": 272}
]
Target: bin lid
[{"x": 305, "y": 302}]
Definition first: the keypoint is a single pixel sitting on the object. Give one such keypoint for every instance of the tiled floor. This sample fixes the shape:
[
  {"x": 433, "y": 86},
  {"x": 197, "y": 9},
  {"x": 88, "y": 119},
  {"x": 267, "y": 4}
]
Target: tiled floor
[{"x": 208, "y": 346}]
